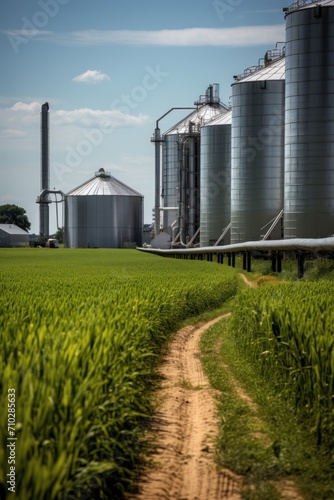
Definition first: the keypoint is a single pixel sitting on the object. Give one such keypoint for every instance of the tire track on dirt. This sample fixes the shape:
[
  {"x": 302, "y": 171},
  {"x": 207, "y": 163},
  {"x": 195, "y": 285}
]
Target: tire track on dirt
[{"x": 186, "y": 426}]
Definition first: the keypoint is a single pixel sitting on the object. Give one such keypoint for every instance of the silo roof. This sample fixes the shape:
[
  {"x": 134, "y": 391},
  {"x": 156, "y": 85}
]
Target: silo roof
[
  {"x": 309, "y": 4},
  {"x": 273, "y": 71},
  {"x": 103, "y": 184},
  {"x": 222, "y": 119},
  {"x": 199, "y": 117}
]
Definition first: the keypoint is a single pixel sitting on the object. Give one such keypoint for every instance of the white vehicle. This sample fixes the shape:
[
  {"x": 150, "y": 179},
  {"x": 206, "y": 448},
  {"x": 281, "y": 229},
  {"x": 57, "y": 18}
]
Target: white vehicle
[{"x": 52, "y": 243}]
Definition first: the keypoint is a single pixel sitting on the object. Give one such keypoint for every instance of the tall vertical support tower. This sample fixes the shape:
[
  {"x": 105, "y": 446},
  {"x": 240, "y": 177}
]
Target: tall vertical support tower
[
  {"x": 309, "y": 119},
  {"x": 45, "y": 173}
]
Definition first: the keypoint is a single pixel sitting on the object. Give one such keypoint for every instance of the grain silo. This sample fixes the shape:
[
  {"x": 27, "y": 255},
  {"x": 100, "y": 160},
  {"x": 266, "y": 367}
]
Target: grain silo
[
  {"x": 257, "y": 151},
  {"x": 103, "y": 212},
  {"x": 215, "y": 180},
  {"x": 181, "y": 168},
  {"x": 309, "y": 146}
]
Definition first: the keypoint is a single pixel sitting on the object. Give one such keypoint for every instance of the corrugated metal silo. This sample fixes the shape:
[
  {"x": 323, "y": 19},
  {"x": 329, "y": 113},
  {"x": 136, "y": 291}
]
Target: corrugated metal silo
[
  {"x": 180, "y": 167},
  {"x": 257, "y": 154},
  {"x": 103, "y": 212},
  {"x": 215, "y": 183},
  {"x": 309, "y": 146}
]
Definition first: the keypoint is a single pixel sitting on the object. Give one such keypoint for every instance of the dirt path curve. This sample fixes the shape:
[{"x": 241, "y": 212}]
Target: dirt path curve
[
  {"x": 251, "y": 284},
  {"x": 186, "y": 426}
]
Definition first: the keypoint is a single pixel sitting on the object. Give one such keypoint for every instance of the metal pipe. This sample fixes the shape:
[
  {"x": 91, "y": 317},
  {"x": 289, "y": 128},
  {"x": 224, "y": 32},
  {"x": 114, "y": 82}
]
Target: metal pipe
[
  {"x": 292, "y": 244},
  {"x": 157, "y": 182},
  {"x": 227, "y": 228},
  {"x": 192, "y": 174},
  {"x": 193, "y": 238},
  {"x": 157, "y": 139},
  {"x": 183, "y": 190}
]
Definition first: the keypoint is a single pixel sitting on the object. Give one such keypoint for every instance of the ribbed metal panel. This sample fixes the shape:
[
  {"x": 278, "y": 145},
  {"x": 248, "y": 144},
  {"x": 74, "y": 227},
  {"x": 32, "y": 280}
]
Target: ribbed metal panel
[
  {"x": 309, "y": 146},
  {"x": 257, "y": 154},
  {"x": 215, "y": 180},
  {"x": 103, "y": 213}
]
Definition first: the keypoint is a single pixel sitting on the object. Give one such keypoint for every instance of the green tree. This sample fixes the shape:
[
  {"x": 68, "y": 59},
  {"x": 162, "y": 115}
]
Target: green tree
[
  {"x": 12, "y": 214},
  {"x": 60, "y": 235}
]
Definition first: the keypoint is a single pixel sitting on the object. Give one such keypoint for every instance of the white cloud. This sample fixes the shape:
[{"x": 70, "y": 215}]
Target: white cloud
[
  {"x": 31, "y": 107},
  {"x": 91, "y": 76},
  {"x": 239, "y": 36},
  {"x": 25, "y": 33},
  {"x": 96, "y": 117},
  {"x": 10, "y": 133},
  {"x": 21, "y": 115},
  {"x": 262, "y": 11}
]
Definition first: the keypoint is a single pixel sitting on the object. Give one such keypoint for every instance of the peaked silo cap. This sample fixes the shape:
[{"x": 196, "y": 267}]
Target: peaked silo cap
[
  {"x": 222, "y": 119},
  {"x": 198, "y": 117},
  {"x": 103, "y": 184},
  {"x": 308, "y": 4},
  {"x": 273, "y": 71}
]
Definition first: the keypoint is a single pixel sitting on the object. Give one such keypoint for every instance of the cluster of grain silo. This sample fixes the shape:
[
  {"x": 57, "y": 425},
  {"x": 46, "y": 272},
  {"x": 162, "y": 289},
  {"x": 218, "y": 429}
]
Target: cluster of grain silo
[
  {"x": 264, "y": 168},
  {"x": 180, "y": 186}
]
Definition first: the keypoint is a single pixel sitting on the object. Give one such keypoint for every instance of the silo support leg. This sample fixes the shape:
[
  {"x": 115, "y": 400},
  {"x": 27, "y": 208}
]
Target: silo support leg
[
  {"x": 279, "y": 262},
  {"x": 249, "y": 261},
  {"x": 301, "y": 260}
]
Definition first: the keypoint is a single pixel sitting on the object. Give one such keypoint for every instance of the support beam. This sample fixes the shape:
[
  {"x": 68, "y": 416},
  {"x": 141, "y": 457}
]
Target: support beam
[
  {"x": 301, "y": 261},
  {"x": 249, "y": 261},
  {"x": 279, "y": 262}
]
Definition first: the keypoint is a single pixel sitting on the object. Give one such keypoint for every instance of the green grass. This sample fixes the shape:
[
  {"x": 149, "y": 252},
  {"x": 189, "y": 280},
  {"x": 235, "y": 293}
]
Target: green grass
[
  {"x": 264, "y": 442},
  {"x": 81, "y": 332}
]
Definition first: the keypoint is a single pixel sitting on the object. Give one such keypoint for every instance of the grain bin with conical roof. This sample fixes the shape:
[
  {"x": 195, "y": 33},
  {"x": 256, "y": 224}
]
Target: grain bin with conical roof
[
  {"x": 103, "y": 212},
  {"x": 257, "y": 151},
  {"x": 215, "y": 180}
]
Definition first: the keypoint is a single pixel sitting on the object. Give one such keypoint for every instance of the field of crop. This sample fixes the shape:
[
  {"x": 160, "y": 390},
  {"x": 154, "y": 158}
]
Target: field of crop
[
  {"x": 80, "y": 332},
  {"x": 287, "y": 330}
]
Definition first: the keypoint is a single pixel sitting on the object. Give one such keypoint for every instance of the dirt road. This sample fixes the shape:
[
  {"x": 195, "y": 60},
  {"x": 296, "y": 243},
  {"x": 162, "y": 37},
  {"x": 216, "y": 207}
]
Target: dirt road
[{"x": 186, "y": 426}]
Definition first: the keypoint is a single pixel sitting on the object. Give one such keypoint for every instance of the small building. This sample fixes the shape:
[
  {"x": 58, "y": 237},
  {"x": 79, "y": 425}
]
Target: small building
[{"x": 13, "y": 236}]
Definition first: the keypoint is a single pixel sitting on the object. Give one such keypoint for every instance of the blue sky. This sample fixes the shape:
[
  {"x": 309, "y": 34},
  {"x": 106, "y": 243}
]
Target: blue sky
[{"x": 109, "y": 69}]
